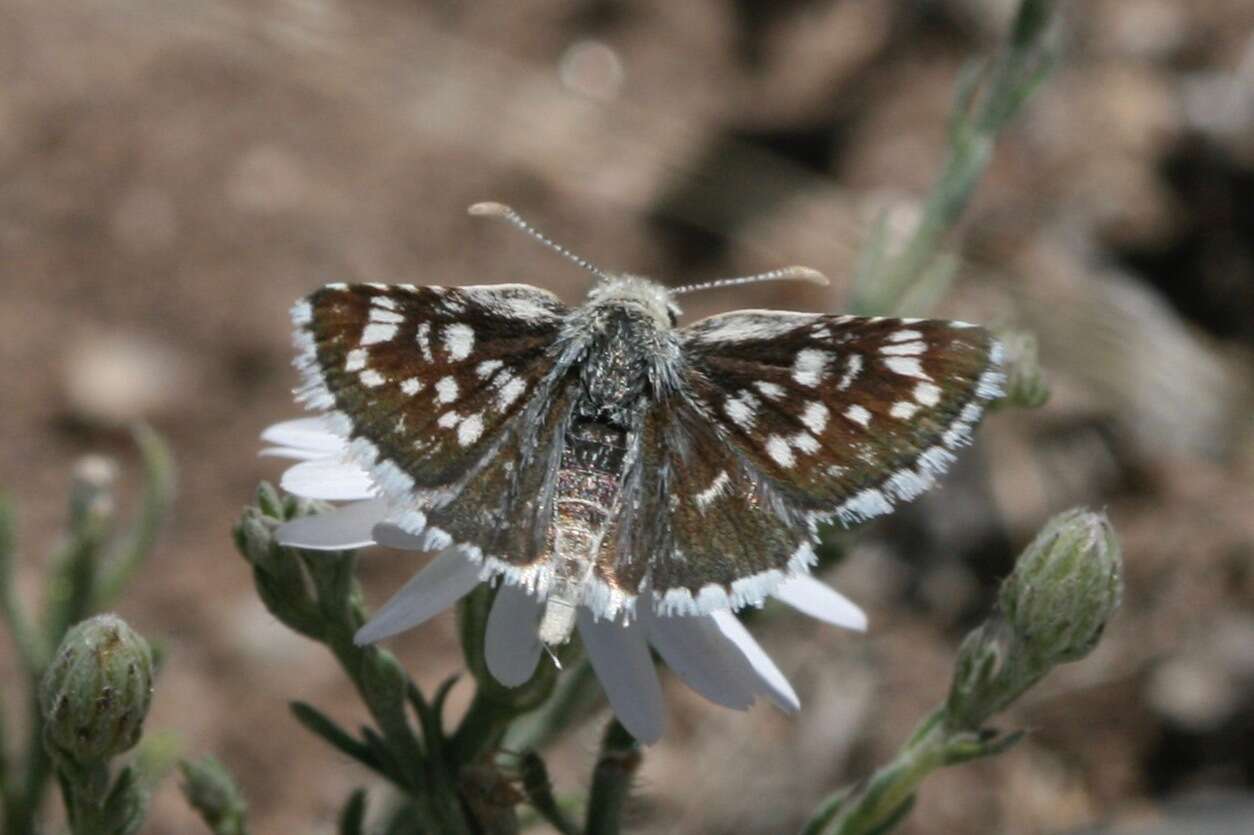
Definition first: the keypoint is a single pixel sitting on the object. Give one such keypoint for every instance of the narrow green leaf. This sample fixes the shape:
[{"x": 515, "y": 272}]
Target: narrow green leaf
[
  {"x": 320, "y": 724},
  {"x": 353, "y": 815}
]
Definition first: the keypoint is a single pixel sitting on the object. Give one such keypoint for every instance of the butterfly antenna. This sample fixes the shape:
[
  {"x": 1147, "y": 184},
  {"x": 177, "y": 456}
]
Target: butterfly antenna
[
  {"x": 784, "y": 274},
  {"x": 506, "y": 213}
]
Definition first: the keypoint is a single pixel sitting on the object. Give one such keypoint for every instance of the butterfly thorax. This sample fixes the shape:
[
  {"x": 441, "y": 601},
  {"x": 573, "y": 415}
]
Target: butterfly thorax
[{"x": 621, "y": 332}]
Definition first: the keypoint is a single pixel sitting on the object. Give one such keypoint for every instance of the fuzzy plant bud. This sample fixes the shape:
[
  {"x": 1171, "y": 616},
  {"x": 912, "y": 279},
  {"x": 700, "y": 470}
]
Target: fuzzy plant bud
[
  {"x": 986, "y": 677},
  {"x": 1026, "y": 387},
  {"x": 91, "y": 492},
  {"x": 1065, "y": 587},
  {"x": 214, "y": 794},
  {"x": 1051, "y": 610},
  {"x": 96, "y": 692}
]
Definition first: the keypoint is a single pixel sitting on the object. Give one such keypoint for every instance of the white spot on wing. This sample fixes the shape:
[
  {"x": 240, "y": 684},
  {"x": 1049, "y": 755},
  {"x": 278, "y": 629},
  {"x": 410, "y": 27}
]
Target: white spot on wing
[
  {"x": 771, "y": 391},
  {"x": 356, "y": 360},
  {"x": 903, "y": 409},
  {"x": 448, "y": 420},
  {"x": 510, "y": 392},
  {"x": 906, "y": 367},
  {"x": 424, "y": 340},
  {"x": 904, "y": 349},
  {"x": 375, "y": 333},
  {"x": 717, "y": 488},
  {"x": 487, "y": 368},
  {"x": 815, "y": 417},
  {"x": 903, "y": 336},
  {"x": 780, "y": 451},
  {"x": 469, "y": 430},
  {"x": 384, "y": 316},
  {"x": 805, "y": 442},
  {"x": 411, "y": 386},
  {"x": 459, "y": 340},
  {"x": 858, "y": 415},
  {"x": 929, "y": 394},
  {"x": 371, "y": 378},
  {"x": 853, "y": 367},
  {"x": 446, "y": 390},
  {"x": 809, "y": 366},
  {"x": 742, "y": 409}
]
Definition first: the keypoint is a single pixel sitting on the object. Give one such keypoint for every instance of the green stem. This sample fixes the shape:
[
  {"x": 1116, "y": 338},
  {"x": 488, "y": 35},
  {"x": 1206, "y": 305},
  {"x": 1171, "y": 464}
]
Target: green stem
[
  {"x": 26, "y": 638},
  {"x": 576, "y": 693},
  {"x": 882, "y": 284},
  {"x": 382, "y": 685},
  {"x": 480, "y": 730},
  {"x": 158, "y": 496},
  {"x": 72, "y": 584},
  {"x": 539, "y": 790},
  {"x": 24, "y": 798},
  {"x": 889, "y": 792},
  {"x": 611, "y": 780}
]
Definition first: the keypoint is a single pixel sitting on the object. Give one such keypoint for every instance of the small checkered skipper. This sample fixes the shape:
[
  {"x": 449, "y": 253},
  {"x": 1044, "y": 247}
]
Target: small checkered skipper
[{"x": 601, "y": 456}]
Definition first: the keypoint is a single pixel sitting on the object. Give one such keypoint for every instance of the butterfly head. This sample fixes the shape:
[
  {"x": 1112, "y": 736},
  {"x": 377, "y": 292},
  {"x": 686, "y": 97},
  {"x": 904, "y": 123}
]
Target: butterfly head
[{"x": 638, "y": 293}]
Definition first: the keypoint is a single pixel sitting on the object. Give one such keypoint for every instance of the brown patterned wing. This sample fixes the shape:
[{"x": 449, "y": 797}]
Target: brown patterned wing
[
  {"x": 786, "y": 421},
  {"x": 426, "y": 382}
]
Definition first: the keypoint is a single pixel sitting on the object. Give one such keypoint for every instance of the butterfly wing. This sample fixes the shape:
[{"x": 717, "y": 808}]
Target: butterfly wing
[
  {"x": 437, "y": 390},
  {"x": 789, "y": 420}
]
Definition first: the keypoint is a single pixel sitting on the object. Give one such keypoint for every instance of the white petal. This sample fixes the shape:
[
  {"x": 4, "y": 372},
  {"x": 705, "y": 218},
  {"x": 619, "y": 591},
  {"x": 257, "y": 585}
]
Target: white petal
[
  {"x": 331, "y": 480},
  {"x": 620, "y": 657},
  {"x": 444, "y": 581},
  {"x": 308, "y": 433},
  {"x": 390, "y": 536},
  {"x": 819, "y": 600},
  {"x": 510, "y": 642},
  {"x": 344, "y": 527},
  {"x": 770, "y": 680},
  {"x": 297, "y": 453},
  {"x": 699, "y": 654}
]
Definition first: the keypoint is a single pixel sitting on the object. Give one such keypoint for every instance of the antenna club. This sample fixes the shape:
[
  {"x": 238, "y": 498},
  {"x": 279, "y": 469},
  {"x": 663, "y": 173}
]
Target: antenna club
[
  {"x": 807, "y": 274},
  {"x": 489, "y": 208}
]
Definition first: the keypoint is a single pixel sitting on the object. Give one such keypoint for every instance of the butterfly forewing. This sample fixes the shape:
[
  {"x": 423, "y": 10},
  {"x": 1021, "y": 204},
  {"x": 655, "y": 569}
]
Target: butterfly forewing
[
  {"x": 842, "y": 416},
  {"x": 425, "y": 380}
]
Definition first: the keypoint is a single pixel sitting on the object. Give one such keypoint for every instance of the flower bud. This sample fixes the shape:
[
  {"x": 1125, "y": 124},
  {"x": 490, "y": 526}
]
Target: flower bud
[
  {"x": 984, "y": 678},
  {"x": 91, "y": 493},
  {"x": 1065, "y": 587},
  {"x": 95, "y": 694},
  {"x": 214, "y": 794},
  {"x": 296, "y": 590},
  {"x": 1026, "y": 387}
]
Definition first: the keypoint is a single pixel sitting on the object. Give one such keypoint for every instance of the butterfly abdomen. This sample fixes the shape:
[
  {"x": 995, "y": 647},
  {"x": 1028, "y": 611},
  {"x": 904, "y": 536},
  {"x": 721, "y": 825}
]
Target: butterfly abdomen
[{"x": 588, "y": 485}]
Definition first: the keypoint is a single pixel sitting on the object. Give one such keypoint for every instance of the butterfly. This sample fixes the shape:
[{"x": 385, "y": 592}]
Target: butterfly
[{"x": 603, "y": 456}]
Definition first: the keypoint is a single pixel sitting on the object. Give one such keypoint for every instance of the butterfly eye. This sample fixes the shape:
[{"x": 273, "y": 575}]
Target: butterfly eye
[{"x": 672, "y": 313}]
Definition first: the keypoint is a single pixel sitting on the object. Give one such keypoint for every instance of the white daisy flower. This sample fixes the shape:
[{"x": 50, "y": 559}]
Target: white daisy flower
[{"x": 712, "y": 653}]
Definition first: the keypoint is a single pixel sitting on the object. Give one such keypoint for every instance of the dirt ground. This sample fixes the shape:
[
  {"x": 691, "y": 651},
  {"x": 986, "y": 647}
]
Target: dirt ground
[{"x": 174, "y": 174}]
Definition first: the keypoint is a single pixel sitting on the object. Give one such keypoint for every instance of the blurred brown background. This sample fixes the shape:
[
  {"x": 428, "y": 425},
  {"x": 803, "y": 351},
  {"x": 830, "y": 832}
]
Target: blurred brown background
[{"x": 174, "y": 174}]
